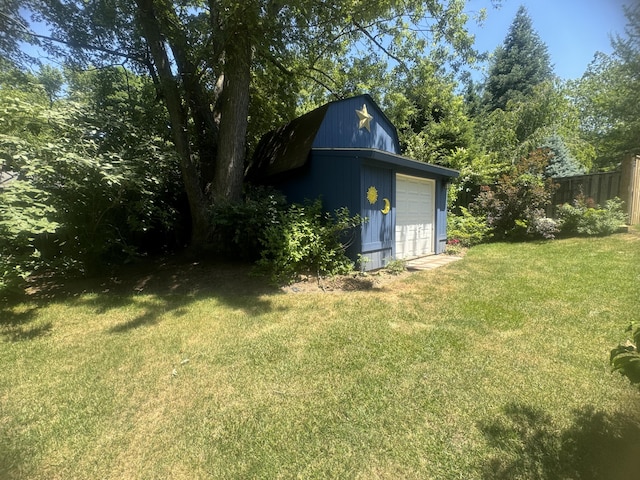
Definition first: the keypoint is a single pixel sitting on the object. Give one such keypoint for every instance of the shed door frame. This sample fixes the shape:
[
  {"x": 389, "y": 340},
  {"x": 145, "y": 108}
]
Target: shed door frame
[{"x": 415, "y": 216}]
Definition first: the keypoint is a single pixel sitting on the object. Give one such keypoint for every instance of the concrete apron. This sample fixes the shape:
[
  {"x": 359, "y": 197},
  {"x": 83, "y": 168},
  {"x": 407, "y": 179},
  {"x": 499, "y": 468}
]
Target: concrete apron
[{"x": 430, "y": 262}]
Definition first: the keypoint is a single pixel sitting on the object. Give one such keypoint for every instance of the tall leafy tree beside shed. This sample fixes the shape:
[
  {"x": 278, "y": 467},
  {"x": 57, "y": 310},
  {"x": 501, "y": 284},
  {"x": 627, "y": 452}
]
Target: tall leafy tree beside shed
[{"x": 216, "y": 64}]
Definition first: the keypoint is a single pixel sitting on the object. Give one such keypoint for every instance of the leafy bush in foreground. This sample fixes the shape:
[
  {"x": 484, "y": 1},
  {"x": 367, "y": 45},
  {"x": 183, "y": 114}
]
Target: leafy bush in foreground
[
  {"x": 625, "y": 358},
  {"x": 238, "y": 227},
  {"x": 304, "y": 239}
]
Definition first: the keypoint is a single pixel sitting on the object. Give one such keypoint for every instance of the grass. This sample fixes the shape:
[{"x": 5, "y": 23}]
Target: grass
[{"x": 493, "y": 367}]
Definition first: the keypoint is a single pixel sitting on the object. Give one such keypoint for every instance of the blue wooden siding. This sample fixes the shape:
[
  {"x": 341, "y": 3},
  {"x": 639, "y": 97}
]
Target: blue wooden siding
[
  {"x": 441, "y": 215},
  {"x": 334, "y": 178},
  {"x": 377, "y": 233},
  {"x": 340, "y": 128}
]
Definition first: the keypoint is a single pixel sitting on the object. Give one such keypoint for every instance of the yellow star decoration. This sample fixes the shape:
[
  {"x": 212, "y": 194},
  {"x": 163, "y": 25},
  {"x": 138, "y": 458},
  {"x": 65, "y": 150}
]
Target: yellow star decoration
[
  {"x": 365, "y": 118},
  {"x": 372, "y": 195}
]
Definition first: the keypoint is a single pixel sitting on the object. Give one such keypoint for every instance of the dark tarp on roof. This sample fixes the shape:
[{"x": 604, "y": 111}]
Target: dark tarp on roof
[{"x": 286, "y": 148}]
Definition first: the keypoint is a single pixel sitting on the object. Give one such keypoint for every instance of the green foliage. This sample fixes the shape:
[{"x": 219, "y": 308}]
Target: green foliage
[
  {"x": 519, "y": 65},
  {"x": 525, "y": 124},
  {"x": 307, "y": 240},
  {"x": 90, "y": 186},
  {"x": 238, "y": 227},
  {"x": 625, "y": 358},
  {"x": 361, "y": 262},
  {"x": 562, "y": 163},
  {"x": 607, "y": 96},
  {"x": 467, "y": 229},
  {"x": 226, "y": 71},
  {"x": 396, "y": 266},
  {"x": 25, "y": 215},
  {"x": 430, "y": 118},
  {"x": 515, "y": 206},
  {"x": 586, "y": 218}
]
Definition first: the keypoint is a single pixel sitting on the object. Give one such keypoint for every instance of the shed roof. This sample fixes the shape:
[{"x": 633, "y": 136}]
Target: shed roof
[
  {"x": 288, "y": 147},
  {"x": 401, "y": 163}
]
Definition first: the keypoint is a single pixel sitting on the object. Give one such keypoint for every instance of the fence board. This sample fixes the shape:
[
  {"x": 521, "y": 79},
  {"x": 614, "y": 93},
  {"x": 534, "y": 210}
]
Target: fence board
[
  {"x": 630, "y": 187},
  {"x": 624, "y": 184},
  {"x": 598, "y": 186}
]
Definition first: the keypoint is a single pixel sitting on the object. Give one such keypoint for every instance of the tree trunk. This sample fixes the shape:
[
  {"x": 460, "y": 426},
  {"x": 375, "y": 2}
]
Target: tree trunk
[
  {"x": 200, "y": 224},
  {"x": 234, "y": 111}
]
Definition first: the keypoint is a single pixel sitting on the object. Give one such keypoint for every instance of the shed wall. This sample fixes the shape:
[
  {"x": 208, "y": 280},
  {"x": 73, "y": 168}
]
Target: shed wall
[
  {"x": 340, "y": 127},
  {"x": 342, "y": 178},
  {"x": 377, "y": 232}
]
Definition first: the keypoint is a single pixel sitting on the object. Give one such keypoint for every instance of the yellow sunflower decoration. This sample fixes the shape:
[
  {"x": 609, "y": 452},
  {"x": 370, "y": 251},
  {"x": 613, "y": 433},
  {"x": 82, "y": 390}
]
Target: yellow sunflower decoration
[{"x": 372, "y": 195}]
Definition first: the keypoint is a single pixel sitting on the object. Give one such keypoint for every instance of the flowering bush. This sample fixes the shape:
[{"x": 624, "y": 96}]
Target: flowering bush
[{"x": 515, "y": 206}]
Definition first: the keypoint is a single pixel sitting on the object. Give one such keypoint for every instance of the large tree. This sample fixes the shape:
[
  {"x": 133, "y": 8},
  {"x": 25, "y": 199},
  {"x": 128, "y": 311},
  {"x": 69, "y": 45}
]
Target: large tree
[
  {"x": 518, "y": 65},
  {"x": 607, "y": 95},
  {"x": 430, "y": 117},
  {"x": 215, "y": 63}
]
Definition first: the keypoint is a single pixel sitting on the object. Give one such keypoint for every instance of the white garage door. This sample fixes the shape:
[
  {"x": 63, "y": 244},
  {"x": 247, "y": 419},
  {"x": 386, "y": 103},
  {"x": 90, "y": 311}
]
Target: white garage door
[{"x": 415, "y": 215}]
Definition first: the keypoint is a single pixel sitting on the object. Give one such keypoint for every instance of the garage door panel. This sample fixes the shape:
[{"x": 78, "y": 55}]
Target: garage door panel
[{"x": 415, "y": 215}]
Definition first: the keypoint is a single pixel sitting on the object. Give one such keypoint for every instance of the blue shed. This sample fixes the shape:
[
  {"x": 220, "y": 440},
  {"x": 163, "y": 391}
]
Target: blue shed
[{"x": 347, "y": 152}]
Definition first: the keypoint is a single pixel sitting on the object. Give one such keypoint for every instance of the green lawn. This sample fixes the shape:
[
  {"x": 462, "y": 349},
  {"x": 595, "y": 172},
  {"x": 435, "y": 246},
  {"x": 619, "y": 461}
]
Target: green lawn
[{"x": 493, "y": 367}]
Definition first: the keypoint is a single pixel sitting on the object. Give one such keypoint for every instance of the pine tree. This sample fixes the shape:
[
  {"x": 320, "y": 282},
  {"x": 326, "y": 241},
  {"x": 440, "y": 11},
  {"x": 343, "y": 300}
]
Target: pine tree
[
  {"x": 518, "y": 65},
  {"x": 562, "y": 163}
]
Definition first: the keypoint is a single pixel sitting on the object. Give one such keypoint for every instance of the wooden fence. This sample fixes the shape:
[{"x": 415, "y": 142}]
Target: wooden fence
[
  {"x": 624, "y": 184},
  {"x": 630, "y": 188}
]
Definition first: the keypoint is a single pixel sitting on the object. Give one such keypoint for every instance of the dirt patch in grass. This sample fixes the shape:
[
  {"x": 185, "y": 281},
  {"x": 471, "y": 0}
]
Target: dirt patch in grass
[{"x": 356, "y": 282}]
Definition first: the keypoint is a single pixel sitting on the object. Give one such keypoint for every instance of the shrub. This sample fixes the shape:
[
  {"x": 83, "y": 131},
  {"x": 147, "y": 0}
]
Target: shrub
[
  {"x": 547, "y": 228},
  {"x": 454, "y": 247},
  {"x": 396, "y": 266},
  {"x": 25, "y": 214},
  {"x": 586, "y": 218},
  {"x": 304, "y": 239},
  {"x": 625, "y": 358},
  {"x": 515, "y": 206},
  {"x": 238, "y": 227},
  {"x": 467, "y": 229}
]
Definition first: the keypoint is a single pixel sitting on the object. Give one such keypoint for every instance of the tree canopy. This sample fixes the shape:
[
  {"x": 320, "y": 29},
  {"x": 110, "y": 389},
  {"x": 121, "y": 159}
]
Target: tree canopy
[
  {"x": 607, "y": 95},
  {"x": 521, "y": 63},
  {"x": 219, "y": 63}
]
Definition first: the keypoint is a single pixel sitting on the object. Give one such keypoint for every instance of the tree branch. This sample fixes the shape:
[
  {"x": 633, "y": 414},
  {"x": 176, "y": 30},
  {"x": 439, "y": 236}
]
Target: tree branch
[
  {"x": 380, "y": 46},
  {"x": 87, "y": 46}
]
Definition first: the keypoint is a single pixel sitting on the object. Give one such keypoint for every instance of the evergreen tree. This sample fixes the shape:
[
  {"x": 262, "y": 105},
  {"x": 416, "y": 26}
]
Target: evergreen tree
[
  {"x": 518, "y": 65},
  {"x": 561, "y": 163}
]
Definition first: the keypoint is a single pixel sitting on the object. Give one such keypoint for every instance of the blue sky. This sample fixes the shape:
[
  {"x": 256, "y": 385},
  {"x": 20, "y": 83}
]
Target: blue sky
[{"x": 573, "y": 30}]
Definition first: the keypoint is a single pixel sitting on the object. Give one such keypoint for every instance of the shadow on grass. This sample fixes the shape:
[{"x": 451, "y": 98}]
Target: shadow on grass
[
  {"x": 598, "y": 446},
  {"x": 156, "y": 288},
  {"x": 17, "y": 325},
  {"x": 11, "y": 459}
]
